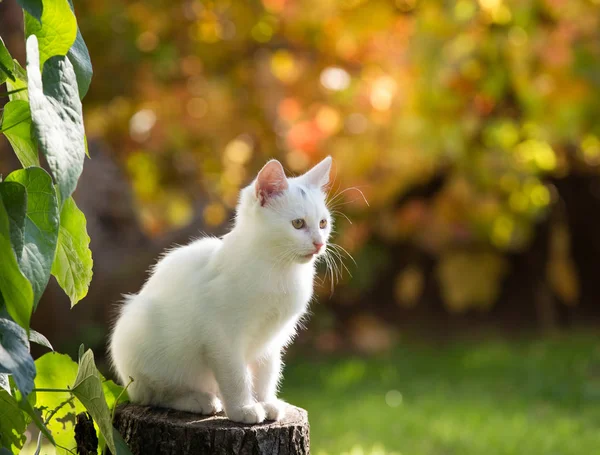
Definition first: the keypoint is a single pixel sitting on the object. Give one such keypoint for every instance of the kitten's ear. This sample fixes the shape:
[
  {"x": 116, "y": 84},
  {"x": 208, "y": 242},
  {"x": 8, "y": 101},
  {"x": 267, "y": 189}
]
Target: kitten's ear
[
  {"x": 319, "y": 175},
  {"x": 270, "y": 182}
]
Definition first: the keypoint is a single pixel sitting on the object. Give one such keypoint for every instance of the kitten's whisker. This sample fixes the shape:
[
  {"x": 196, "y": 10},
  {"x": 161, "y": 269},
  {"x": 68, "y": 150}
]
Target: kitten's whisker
[
  {"x": 344, "y": 250},
  {"x": 335, "y": 253},
  {"x": 327, "y": 260},
  {"x": 332, "y": 193},
  {"x": 337, "y": 212},
  {"x": 341, "y": 204},
  {"x": 339, "y": 194},
  {"x": 334, "y": 267},
  {"x": 326, "y": 269},
  {"x": 345, "y": 267},
  {"x": 338, "y": 267}
]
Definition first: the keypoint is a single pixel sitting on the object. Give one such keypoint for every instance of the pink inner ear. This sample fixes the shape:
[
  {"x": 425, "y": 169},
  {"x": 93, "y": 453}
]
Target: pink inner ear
[{"x": 270, "y": 182}]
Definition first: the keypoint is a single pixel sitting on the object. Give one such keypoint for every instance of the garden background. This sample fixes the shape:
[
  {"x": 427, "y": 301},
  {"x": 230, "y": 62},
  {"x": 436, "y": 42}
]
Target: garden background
[{"x": 467, "y": 321}]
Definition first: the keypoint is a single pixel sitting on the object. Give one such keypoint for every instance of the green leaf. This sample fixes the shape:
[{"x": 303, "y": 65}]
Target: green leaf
[
  {"x": 72, "y": 265},
  {"x": 14, "y": 197},
  {"x": 82, "y": 64},
  {"x": 78, "y": 53},
  {"x": 80, "y": 58},
  {"x": 112, "y": 392},
  {"x": 15, "y": 358},
  {"x": 58, "y": 371},
  {"x": 15, "y": 288},
  {"x": 37, "y": 338},
  {"x": 19, "y": 116},
  {"x": 41, "y": 226},
  {"x": 17, "y": 128},
  {"x": 57, "y": 117},
  {"x": 27, "y": 405},
  {"x": 18, "y": 84},
  {"x": 12, "y": 423},
  {"x": 6, "y": 64},
  {"x": 33, "y": 7},
  {"x": 88, "y": 389},
  {"x": 56, "y": 29},
  {"x": 120, "y": 444}
]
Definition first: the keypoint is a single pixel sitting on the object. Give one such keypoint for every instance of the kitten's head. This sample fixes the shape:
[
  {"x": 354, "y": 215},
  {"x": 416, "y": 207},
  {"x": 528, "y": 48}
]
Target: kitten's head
[{"x": 291, "y": 212}]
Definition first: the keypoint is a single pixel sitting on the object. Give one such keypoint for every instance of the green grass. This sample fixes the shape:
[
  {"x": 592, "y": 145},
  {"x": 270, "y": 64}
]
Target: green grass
[{"x": 483, "y": 398}]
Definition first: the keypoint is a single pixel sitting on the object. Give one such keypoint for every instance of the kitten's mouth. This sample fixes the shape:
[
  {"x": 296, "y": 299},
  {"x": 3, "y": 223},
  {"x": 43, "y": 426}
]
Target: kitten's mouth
[{"x": 310, "y": 255}]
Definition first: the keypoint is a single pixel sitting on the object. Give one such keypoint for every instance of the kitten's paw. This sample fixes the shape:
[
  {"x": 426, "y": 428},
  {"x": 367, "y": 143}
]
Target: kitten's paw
[
  {"x": 252, "y": 413},
  {"x": 275, "y": 409},
  {"x": 211, "y": 405},
  {"x": 198, "y": 403}
]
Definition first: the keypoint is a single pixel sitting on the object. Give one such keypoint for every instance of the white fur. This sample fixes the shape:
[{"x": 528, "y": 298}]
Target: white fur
[{"x": 210, "y": 324}]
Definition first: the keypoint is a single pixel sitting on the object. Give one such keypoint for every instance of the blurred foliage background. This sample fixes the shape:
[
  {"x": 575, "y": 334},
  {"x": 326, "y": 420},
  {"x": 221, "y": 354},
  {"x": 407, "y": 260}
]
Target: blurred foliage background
[{"x": 470, "y": 127}]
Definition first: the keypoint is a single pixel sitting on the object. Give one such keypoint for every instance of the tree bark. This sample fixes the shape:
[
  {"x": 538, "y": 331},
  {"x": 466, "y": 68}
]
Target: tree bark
[{"x": 156, "y": 431}]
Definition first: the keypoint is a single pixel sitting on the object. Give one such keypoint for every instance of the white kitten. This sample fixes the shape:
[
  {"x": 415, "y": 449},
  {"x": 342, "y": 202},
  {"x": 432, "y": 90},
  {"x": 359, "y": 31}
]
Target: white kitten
[{"x": 213, "y": 319}]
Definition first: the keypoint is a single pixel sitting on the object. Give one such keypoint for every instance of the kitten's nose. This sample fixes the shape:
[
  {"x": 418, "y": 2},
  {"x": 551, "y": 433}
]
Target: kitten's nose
[{"x": 318, "y": 246}]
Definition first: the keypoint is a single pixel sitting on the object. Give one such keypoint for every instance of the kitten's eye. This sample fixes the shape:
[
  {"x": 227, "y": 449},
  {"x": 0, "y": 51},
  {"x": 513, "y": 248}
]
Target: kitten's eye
[
  {"x": 298, "y": 224},
  {"x": 323, "y": 224}
]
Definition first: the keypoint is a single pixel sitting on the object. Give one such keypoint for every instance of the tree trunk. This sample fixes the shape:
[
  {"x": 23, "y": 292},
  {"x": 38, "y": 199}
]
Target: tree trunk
[{"x": 156, "y": 431}]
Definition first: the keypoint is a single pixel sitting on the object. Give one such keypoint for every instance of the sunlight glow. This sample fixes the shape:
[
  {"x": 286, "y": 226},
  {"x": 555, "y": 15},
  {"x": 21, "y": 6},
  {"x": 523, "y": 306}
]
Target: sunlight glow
[
  {"x": 335, "y": 78},
  {"x": 382, "y": 94},
  {"x": 141, "y": 123},
  {"x": 393, "y": 398},
  {"x": 239, "y": 150}
]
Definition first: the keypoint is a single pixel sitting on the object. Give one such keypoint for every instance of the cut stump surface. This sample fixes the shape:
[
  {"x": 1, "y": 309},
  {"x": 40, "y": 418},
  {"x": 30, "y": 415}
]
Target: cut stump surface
[{"x": 157, "y": 431}]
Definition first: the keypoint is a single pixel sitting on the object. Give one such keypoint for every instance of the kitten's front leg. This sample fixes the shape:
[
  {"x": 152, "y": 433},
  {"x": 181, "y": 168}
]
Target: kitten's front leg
[
  {"x": 267, "y": 373},
  {"x": 235, "y": 385}
]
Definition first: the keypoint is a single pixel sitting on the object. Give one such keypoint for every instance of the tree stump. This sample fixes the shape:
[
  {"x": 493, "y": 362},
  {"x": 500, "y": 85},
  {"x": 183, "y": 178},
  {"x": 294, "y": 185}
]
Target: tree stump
[{"x": 157, "y": 431}]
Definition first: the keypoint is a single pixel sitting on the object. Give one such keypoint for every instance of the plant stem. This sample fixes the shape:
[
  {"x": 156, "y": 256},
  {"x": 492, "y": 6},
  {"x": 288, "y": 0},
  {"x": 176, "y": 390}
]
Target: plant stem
[
  {"x": 53, "y": 413},
  {"x": 112, "y": 417},
  {"x": 65, "y": 448},
  {"x": 12, "y": 92},
  {"x": 52, "y": 390}
]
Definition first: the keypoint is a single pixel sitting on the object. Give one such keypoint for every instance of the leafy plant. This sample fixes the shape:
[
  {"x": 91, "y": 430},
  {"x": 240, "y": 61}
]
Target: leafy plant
[{"x": 43, "y": 233}]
